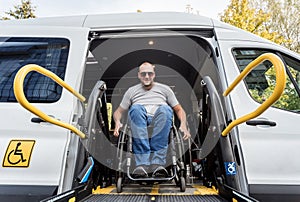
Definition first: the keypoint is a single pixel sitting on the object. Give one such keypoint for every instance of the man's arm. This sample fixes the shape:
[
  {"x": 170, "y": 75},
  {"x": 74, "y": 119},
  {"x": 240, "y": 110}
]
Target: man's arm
[
  {"x": 182, "y": 117},
  {"x": 117, "y": 118}
]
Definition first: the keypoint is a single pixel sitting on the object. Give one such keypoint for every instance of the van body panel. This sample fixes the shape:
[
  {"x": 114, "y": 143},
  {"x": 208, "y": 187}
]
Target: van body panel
[
  {"x": 145, "y": 20},
  {"x": 228, "y": 32},
  {"x": 269, "y": 152},
  {"x": 120, "y": 20},
  {"x": 49, "y": 153},
  {"x": 70, "y": 21}
]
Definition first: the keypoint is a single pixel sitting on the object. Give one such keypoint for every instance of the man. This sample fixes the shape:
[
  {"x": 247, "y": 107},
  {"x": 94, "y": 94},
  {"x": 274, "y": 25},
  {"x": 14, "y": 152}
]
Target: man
[{"x": 150, "y": 103}]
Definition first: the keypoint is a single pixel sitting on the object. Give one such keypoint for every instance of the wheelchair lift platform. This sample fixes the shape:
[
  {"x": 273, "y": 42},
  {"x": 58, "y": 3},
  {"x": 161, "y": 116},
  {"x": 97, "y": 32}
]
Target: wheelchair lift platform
[{"x": 156, "y": 192}]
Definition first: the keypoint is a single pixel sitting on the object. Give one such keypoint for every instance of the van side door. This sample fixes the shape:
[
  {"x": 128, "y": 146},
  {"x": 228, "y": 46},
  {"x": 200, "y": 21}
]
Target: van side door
[
  {"x": 35, "y": 153},
  {"x": 270, "y": 142}
]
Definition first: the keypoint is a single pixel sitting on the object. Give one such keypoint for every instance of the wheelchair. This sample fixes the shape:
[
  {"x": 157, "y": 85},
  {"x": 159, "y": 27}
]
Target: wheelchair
[{"x": 175, "y": 160}]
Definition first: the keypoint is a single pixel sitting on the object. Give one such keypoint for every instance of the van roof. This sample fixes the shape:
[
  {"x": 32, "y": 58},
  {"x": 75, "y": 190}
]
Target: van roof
[
  {"x": 118, "y": 20},
  {"x": 139, "y": 20}
]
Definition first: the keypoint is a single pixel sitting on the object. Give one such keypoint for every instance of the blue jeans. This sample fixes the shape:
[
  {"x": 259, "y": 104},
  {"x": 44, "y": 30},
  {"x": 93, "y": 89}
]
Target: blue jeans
[{"x": 154, "y": 150}]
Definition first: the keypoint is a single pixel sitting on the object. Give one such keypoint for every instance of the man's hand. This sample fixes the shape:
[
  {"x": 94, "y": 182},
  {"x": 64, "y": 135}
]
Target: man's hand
[
  {"x": 182, "y": 117},
  {"x": 186, "y": 133},
  {"x": 117, "y": 117},
  {"x": 118, "y": 125}
]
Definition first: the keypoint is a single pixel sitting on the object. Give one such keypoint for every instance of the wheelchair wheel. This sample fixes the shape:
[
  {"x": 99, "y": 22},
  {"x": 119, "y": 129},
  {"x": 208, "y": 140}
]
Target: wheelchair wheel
[
  {"x": 119, "y": 185},
  {"x": 182, "y": 184}
]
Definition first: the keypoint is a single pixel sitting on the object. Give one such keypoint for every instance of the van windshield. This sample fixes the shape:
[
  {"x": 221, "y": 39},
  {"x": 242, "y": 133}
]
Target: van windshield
[{"x": 50, "y": 53}]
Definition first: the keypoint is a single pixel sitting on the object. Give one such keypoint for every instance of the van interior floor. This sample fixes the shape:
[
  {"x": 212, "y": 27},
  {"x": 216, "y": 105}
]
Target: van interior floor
[{"x": 156, "y": 192}]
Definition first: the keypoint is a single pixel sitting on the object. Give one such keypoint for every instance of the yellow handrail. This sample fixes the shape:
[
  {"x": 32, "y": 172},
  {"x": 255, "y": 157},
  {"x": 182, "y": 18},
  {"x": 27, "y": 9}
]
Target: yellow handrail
[
  {"x": 279, "y": 87},
  {"x": 19, "y": 93}
]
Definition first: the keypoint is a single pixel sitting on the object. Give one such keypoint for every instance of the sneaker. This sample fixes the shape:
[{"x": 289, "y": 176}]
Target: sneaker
[
  {"x": 140, "y": 172},
  {"x": 160, "y": 171}
]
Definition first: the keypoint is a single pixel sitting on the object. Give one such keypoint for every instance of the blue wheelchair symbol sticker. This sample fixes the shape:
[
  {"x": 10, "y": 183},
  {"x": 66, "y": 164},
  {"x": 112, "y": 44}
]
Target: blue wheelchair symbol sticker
[{"x": 230, "y": 168}]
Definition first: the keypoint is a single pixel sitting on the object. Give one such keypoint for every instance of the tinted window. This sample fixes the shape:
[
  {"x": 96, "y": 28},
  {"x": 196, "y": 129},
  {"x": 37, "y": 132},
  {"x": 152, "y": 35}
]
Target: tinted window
[
  {"x": 262, "y": 79},
  {"x": 50, "y": 53}
]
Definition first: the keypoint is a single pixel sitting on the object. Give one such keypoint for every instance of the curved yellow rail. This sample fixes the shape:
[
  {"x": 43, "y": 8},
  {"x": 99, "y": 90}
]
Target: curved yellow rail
[
  {"x": 19, "y": 93},
  {"x": 280, "y": 85}
]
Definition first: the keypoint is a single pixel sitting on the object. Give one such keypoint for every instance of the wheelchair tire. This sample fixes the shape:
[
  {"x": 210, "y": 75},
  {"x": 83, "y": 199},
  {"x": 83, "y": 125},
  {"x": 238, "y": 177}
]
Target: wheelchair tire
[
  {"x": 119, "y": 185},
  {"x": 182, "y": 184}
]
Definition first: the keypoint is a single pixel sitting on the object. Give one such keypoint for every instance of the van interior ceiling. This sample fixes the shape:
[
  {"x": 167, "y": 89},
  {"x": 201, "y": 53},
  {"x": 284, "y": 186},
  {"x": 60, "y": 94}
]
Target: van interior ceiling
[{"x": 177, "y": 58}]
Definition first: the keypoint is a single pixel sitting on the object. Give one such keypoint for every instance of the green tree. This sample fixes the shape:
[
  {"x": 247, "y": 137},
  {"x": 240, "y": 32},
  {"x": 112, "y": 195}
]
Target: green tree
[
  {"x": 23, "y": 11},
  {"x": 285, "y": 19},
  {"x": 289, "y": 99},
  {"x": 240, "y": 14}
]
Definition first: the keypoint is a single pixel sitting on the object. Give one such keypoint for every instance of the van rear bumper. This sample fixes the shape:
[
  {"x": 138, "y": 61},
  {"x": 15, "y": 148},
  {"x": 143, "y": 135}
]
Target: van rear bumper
[
  {"x": 275, "y": 193},
  {"x": 24, "y": 193}
]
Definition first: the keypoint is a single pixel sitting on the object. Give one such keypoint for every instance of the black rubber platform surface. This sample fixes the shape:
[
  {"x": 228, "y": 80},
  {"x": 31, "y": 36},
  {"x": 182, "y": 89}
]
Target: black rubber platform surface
[{"x": 148, "y": 198}]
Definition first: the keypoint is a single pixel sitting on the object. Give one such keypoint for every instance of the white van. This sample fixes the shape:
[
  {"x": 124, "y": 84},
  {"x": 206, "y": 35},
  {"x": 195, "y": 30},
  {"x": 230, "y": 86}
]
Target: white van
[{"x": 98, "y": 56}]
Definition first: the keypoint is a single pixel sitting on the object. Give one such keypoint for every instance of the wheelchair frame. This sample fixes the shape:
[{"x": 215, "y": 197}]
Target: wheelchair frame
[{"x": 178, "y": 171}]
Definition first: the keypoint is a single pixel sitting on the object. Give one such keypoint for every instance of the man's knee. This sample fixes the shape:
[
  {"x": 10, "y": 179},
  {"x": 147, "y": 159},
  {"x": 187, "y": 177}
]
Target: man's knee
[
  {"x": 137, "y": 110},
  {"x": 137, "y": 116},
  {"x": 166, "y": 110},
  {"x": 137, "y": 107}
]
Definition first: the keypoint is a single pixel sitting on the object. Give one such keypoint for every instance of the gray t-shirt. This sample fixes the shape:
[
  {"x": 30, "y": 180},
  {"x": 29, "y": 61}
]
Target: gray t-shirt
[{"x": 159, "y": 94}]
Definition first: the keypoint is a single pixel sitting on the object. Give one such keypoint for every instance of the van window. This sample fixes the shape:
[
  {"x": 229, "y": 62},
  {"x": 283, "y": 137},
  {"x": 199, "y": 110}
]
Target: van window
[
  {"x": 261, "y": 80},
  {"x": 50, "y": 53}
]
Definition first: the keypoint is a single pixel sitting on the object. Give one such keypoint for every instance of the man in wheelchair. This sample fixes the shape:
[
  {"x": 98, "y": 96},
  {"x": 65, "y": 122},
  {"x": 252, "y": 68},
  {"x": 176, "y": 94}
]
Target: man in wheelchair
[{"x": 150, "y": 103}]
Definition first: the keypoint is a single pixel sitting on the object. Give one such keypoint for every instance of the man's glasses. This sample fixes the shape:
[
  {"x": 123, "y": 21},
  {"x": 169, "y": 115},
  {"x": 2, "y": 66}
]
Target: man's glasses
[{"x": 150, "y": 74}]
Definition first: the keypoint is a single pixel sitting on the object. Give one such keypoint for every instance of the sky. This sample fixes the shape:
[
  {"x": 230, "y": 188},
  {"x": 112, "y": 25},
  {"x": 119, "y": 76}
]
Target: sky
[{"x": 51, "y": 8}]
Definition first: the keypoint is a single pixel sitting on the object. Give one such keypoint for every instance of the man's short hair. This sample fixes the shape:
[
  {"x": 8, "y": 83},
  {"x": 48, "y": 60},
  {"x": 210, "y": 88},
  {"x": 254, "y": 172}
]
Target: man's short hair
[{"x": 146, "y": 63}]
